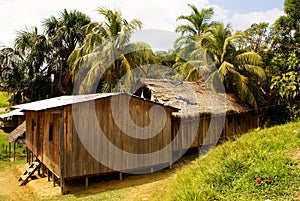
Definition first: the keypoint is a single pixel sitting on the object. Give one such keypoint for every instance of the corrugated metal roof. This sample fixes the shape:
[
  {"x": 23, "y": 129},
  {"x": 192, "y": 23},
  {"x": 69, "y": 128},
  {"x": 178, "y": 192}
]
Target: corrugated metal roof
[
  {"x": 17, "y": 112},
  {"x": 61, "y": 101}
]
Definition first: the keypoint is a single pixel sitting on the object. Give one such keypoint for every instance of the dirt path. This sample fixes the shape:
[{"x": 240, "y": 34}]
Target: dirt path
[
  {"x": 10, "y": 188},
  {"x": 38, "y": 188}
]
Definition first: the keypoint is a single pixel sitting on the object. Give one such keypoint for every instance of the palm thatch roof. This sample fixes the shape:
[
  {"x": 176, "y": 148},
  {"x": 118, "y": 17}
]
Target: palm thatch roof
[
  {"x": 17, "y": 135},
  {"x": 192, "y": 98}
]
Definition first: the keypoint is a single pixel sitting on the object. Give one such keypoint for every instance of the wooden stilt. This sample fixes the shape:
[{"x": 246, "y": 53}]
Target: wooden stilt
[
  {"x": 9, "y": 150},
  {"x": 53, "y": 178},
  {"x": 121, "y": 176},
  {"x": 86, "y": 182},
  {"x": 14, "y": 151},
  {"x": 39, "y": 171},
  {"x": 27, "y": 161},
  {"x": 48, "y": 174},
  {"x": 63, "y": 187},
  {"x": 170, "y": 166},
  {"x": 31, "y": 157}
]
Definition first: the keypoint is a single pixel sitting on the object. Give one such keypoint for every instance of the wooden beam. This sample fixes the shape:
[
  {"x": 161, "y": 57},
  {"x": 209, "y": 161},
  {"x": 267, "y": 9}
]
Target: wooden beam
[
  {"x": 121, "y": 176},
  {"x": 14, "y": 151},
  {"x": 9, "y": 150},
  {"x": 53, "y": 179},
  {"x": 27, "y": 160},
  {"x": 86, "y": 182},
  {"x": 48, "y": 174},
  {"x": 62, "y": 153}
]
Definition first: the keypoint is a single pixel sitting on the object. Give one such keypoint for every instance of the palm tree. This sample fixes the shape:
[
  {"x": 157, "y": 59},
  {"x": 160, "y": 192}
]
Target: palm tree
[
  {"x": 198, "y": 21},
  {"x": 34, "y": 47},
  {"x": 237, "y": 68},
  {"x": 65, "y": 34},
  {"x": 8, "y": 59},
  {"x": 107, "y": 53},
  {"x": 28, "y": 78}
]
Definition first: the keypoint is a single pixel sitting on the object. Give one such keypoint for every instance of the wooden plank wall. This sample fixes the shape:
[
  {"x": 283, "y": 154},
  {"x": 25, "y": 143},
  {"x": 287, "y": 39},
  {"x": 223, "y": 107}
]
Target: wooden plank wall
[
  {"x": 31, "y": 120},
  {"x": 80, "y": 163},
  {"x": 234, "y": 124},
  {"x": 50, "y": 154},
  {"x": 37, "y": 137}
]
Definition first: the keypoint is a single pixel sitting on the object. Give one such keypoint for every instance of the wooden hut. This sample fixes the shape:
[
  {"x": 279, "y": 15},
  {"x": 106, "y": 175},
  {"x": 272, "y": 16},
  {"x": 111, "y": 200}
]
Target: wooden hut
[
  {"x": 11, "y": 120},
  {"x": 205, "y": 117},
  {"x": 63, "y": 134}
]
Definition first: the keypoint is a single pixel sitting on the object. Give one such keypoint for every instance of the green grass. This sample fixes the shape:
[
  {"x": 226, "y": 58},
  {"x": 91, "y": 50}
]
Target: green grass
[
  {"x": 232, "y": 170},
  {"x": 3, "y": 99},
  {"x": 4, "y": 161}
]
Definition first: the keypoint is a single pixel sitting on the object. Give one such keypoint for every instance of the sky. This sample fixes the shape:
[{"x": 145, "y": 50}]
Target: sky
[{"x": 158, "y": 16}]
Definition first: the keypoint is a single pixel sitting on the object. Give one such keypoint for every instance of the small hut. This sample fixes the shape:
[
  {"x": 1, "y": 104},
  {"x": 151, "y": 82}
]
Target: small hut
[
  {"x": 11, "y": 120},
  {"x": 17, "y": 136},
  {"x": 205, "y": 117},
  {"x": 81, "y": 136}
]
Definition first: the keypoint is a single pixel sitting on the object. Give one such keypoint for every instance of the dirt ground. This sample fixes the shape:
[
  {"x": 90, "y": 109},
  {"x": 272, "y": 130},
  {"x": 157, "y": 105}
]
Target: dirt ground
[
  {"x": 41, "y": 188},
  {"x": 36, "y": 188}
]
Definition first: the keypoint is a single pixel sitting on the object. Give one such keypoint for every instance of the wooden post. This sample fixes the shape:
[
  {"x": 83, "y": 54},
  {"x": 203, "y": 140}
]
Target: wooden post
[
  {"x": 170, "y": 165},
  {"x": 39, "y": 171},
  {"x": 14, "y": 151},
  {"x": 6, "y": 150},
  {"x": 48, "y": 174},
  {"x": 121, "y": 176},
  {"x": 86, "y": 182},
  {"x": 62, "y": 153},
  {"x": 9, "y": 150},
  {"x": 53, "y": 178}
]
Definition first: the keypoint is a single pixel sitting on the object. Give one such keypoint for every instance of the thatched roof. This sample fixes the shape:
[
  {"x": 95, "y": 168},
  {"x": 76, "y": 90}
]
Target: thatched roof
[
  {"x": 192, "y": 98},
  {"x": 17, "y": 135}
]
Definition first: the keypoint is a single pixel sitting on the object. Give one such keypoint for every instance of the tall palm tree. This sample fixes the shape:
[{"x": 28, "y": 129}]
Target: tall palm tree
[
  {"x": 235, "y": 67},
  {"x": 107, "y": 52},
  {"x": 8, "y": 59},
  {"x": 65, "y": 34},
  {"x": 29, "y": 77},
  {"x": 34, "y": 47},
  {"x": 198, "y": 21}
]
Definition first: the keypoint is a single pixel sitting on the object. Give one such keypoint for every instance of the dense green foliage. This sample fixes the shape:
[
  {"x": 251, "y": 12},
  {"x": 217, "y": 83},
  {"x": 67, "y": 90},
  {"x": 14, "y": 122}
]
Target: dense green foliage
[
  {"x": 4, "y": 99},
  {"x": 107, "y": 55},
  {"x": 260, "y": 64},
  {"x": 257, "y": 166}
]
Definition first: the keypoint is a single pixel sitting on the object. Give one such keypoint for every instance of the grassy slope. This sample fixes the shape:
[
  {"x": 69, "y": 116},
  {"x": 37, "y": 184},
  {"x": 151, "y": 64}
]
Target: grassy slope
[{"x": 232, "y": 171}]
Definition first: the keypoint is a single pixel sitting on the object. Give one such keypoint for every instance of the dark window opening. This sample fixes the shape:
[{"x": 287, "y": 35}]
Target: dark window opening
[
  {"x": 50, "y": 132},
  {"x": 32, "y": 125}
]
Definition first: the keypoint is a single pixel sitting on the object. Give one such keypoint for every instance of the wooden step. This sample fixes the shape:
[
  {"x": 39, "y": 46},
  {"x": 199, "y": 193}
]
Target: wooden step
[
  {"x": 29, "y": 172},
  {"x": 36, "y": 163},
  {"x": 24, "y": 177}
]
